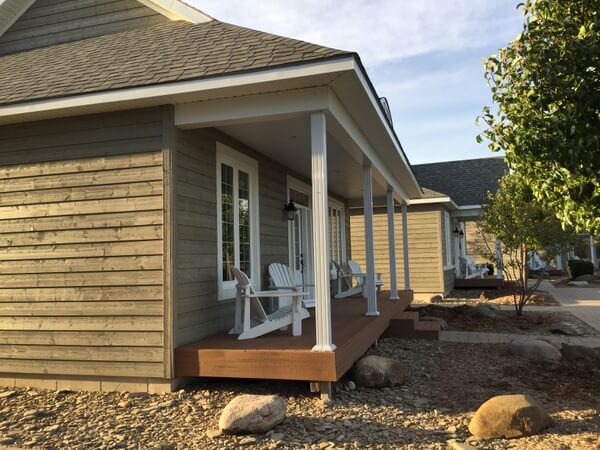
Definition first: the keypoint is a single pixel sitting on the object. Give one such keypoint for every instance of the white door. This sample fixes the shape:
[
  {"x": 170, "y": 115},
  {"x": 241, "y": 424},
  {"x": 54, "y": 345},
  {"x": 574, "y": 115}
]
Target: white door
[{"x": 301, "y": 247}]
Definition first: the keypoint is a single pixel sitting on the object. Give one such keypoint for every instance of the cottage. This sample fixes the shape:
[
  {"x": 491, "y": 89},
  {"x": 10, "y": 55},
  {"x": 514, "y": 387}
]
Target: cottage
[{"x": 147, "y": 150}]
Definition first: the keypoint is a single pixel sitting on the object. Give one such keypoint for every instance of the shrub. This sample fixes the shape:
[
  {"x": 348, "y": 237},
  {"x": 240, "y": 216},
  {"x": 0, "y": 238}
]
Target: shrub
[{"x": 579, "y": 267}]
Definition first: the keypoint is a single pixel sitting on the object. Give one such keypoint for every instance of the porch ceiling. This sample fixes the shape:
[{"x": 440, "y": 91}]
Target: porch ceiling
[{"x": 287, "y": 141}]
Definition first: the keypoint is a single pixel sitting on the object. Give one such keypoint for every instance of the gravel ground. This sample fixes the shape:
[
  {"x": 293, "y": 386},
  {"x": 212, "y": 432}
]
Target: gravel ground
[
  {"x": 501, "y": 297},
  {"x": 447, "y": 383},
  {"x": 531, "y": 322}
]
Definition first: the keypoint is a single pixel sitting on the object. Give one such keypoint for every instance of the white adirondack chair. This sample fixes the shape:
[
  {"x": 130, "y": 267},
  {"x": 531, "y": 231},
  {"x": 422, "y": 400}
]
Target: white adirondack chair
[
  {"x": 283, "y": 279},
  {"x": 473, "y": 270},
  {"x": 358, "y": 275},
  {"x": 248, "y": 302}
]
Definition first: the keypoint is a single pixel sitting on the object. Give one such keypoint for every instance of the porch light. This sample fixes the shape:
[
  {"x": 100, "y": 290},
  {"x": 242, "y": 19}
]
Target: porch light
[
  {"x": 456, "y": 233},
  {"x": 290, "y": 209}
]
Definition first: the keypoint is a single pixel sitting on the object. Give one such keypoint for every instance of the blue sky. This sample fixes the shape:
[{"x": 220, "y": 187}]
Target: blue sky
[{"x": 423, "y": 55}]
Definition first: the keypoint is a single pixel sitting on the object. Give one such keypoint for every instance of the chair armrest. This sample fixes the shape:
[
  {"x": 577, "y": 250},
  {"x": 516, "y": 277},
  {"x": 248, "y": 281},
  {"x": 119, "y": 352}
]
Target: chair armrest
[{"x": 277, "y": 294}]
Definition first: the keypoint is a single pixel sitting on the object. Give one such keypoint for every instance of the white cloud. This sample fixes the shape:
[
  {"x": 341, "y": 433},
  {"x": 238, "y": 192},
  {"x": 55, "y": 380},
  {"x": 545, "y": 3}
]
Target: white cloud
[{"x": 380, "y": 30}]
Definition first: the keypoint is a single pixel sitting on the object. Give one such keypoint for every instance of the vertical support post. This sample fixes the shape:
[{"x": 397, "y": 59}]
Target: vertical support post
[
  {"x": 593, "y": 251},
  {"x": 369, "y": 245},
  {"x": 320, "y": 217},
  {"x": 405, "y": 246},
  {"x": 392, "y": 244},
  {"x": 499, "y": 270}
]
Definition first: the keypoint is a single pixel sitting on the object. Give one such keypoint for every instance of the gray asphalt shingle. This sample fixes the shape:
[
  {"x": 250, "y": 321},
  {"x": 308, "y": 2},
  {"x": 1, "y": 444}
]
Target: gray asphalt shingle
[{"x": 161, "y": 53}]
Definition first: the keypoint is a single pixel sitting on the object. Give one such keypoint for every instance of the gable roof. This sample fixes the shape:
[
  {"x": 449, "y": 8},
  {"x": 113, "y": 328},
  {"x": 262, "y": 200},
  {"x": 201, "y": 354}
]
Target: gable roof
[
  {"x": 11, "y": 10},
  {"x": 467, "y": 182},
  {"x": 157, "y": 54}
]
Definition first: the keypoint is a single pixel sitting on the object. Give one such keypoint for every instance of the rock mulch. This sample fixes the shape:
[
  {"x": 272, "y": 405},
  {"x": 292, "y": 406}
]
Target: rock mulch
[{"x": 446, "y": 384}]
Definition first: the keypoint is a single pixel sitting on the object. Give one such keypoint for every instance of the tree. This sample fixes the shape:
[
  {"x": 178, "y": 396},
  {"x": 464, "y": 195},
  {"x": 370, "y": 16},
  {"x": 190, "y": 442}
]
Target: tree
[
  {"x": 523, "y": 225},
  {"x": 546, "y": 86}
]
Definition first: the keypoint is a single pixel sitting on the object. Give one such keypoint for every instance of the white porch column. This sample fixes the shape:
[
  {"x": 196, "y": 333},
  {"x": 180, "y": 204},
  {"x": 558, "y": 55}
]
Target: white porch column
[
  {"x": 320, "y": 216},
  {"x": 392, "y": 244},
  {"x": 371, "y": 294},
  {"x": 593, "y": 255},
  {"x": 499, "y": 271},
  {"x": 405, "y": 246}
]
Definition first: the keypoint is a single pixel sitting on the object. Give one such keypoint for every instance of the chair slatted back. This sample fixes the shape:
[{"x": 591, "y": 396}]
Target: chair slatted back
[
  {"x": 281, "y": 275},
  {"x": 355, "y": 268},
  {"x": 245, "y": 284}
]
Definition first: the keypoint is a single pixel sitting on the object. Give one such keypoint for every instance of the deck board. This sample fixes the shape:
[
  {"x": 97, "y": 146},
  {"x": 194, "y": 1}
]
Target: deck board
[{"x": 279, "y": 355}]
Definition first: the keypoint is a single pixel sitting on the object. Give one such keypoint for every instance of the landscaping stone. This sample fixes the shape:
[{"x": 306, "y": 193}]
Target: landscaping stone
[
  {"x": 535, "y": 350},
  {"x": 578, "y": 283},
  {"x": 252, "y": 414},
  {"x": 566, "y": 329},
  {"x": 580, "y": 353},
  {"x": 378, "y": 371},
  {"x": 509, "y": 416},
  {"x": 442, "y": 322},
  {"x": 436, "y": 299},
  {"x": 482, "y": 311}
]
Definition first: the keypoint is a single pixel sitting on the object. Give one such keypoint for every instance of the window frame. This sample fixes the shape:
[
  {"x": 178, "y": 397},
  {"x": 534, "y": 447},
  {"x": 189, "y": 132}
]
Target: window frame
[{"x": 238, "y": 161}]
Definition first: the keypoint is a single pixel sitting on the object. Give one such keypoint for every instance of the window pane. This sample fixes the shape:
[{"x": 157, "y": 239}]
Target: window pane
[
  {"x": 244, "y": 221},
  {"x": 227, "y": 212},
  {"x": 335, "y": 234},
  {"x": 300, "y": 198}
]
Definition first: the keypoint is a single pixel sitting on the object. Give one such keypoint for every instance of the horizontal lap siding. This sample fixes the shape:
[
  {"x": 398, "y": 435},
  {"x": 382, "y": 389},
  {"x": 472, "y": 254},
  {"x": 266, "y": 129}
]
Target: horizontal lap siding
[
  {"x": 198, "y": 312},
  {"x": 49, "y": 22},
  {"x": 81, "y": 246},
  {"x": 424, "y": 248},
  {"x": 475, "y": 243}
]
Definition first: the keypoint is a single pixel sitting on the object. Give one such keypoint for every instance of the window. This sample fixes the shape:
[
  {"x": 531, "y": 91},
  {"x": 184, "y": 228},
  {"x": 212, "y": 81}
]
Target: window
[
  {"x": 237, "y": 219},
  {"x": 336, "y": 232},
  {"x": 447, "y": 235}
]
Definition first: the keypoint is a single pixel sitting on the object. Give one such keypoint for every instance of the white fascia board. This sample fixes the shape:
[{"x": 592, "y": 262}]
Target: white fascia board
[
  {"x": 177, "y": 92},
  {"x": 376, "y": 106},
  {"x": 213, "y": 113},
  {"x": 337, "y": 109},
  {"x": 177, "y": 10},
  {"x": 433, "y": 201}
]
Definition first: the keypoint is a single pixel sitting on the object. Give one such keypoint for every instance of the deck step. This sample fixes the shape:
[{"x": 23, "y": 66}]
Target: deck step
[{"x": 407, "y": 325}]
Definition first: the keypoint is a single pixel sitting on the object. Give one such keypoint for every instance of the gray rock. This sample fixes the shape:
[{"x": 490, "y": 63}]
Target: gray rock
[
  {"x": 580, "y": 353},
  {"x": 7, "y": 394},
  {"x": 442, "y": 322},
  {"x": 6, "y": 441},
  {"x": 535, "y": 350},
  {"x": 586, "y": 277},
  {"x": 482, "y": 311},
  {"x": 457, "y": 445},
  {"x": 566, "y": 329},
  {"x": 578, "y": 283},
  {"x": 436, "y": 299},
  {"x": 509, "y": 416},
  {"x": 351, "y": 385},
  {"x": 377, "y": 371},
  {"x": 252, "y": 414}
]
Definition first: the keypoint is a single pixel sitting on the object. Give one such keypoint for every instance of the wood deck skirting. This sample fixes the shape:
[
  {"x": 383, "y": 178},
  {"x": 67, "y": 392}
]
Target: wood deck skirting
[
  {"x": 486, "y": 282},
  {"x": 281, "y": 356}
]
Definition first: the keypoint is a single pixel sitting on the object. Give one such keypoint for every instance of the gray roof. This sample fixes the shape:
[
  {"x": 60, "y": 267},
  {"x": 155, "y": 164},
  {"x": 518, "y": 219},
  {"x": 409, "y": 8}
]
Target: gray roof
[
  {"x": 467, "y": 182},
  {"x": 145, "y": 56}
]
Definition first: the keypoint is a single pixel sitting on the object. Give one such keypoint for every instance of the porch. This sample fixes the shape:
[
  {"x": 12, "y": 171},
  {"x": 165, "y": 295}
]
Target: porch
[{"x": 281, "y": 356}]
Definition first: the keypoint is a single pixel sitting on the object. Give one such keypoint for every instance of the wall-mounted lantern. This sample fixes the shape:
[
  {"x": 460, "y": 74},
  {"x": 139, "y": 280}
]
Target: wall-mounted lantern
[{"x": 290, "y": 210}]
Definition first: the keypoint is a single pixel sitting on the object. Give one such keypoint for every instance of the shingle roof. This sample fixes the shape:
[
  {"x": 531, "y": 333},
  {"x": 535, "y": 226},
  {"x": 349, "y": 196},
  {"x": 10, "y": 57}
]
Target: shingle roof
[
  {"x": 467, "y": 182},
  {"x": 155, "y": 54}
]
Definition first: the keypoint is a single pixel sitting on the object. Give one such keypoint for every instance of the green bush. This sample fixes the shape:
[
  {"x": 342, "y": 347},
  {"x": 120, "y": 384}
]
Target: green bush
[{"x": 579, "y": 267}]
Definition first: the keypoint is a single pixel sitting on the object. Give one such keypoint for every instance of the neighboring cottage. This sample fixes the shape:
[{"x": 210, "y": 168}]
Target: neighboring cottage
[
  {"x": 441, "y": 225},
  {"x": 147, "y": 150}
]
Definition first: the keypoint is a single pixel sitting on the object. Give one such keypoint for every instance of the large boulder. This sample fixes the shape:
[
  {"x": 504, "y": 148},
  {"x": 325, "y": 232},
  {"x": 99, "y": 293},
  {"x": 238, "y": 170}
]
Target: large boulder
[
  {"x": 252, "y": 414},
  {"x": 535, "y": 350},
  {"x": 377, "y": 371},
  {"x": 578, "y": 283},
  {"x": 587, "y": 355},
  {"x": 509, "y": 416},
  {"x": 482, "y": 311},
  {"x": 566, "y": 329}
]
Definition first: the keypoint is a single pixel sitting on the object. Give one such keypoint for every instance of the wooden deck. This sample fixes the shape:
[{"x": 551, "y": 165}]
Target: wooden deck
[{"x": 281, "y": 356}]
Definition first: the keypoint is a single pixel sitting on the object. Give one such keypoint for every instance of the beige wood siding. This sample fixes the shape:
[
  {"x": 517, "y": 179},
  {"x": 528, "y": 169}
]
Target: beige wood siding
[
  {"x": 198, "y": 313},
  {"x": 49, "y": 22},
  {"x": 474, "y": 242},
  {"x": 424, "y": 248},
  {"x": 81, "y": 246}
]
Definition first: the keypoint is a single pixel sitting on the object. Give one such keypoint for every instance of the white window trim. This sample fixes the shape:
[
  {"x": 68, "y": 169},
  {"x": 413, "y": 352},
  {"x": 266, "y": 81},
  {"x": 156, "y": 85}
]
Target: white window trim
[
  {"x": 333, "y": 203},
  {"x": 226, "y": 155},
  {"x": 448, "y": 233}
]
